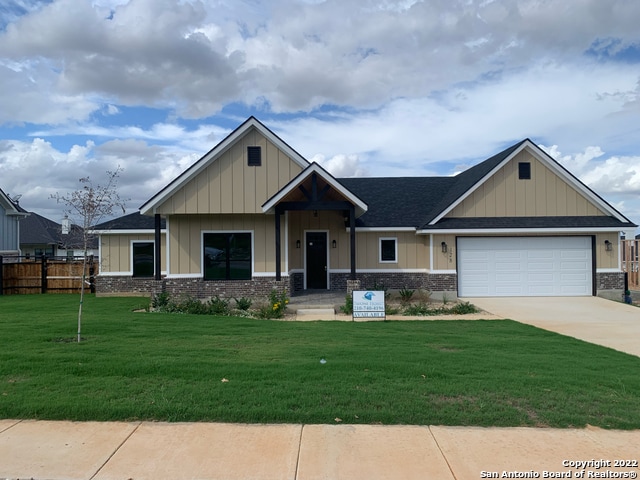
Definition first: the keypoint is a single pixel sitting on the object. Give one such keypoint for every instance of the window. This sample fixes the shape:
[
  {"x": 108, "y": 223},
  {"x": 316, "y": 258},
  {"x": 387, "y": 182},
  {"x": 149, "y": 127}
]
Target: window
[
  {"x": 143, "y": 255},
  {"x": 254, "y": 157},
  {"x": 388, "y": 250},
  {"x": 524, "y": 171},
  {"x": 227, "y": 256}
]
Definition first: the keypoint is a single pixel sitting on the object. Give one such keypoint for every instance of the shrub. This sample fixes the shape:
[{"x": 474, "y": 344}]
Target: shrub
[
  {"x": 463, "y": 308},
  {"x": 243, "y": 303},
  {"x": 406, "y": 294},
  {"x": 347, "y": 308},
  {"x": 218, "y": 306},
  {"x": 276, "y": 306}
]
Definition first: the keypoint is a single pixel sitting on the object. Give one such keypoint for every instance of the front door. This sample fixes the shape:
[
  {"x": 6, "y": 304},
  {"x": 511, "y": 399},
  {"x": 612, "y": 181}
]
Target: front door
[{"x": 316, "y": 252}]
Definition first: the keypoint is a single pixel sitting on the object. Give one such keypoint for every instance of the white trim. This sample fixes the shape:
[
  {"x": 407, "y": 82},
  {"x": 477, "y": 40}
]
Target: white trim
[
  {"x": 516, "y": 231},
  {"x": 440, "y": 272},
  {"x": 270, "y": 204},
  {"x": 269, "y": 274},
  {"x": 167, "y": 253},
  {"x": 253, "y": 250},
  {"x": 184, "y": 275},
  {"x": 381, "y": 270},
  {"x": 382, "y": 229},
  {"x": 296, "y": 270},
  {"x": 131, "y": 242},
  {"x": 608, "y": 270},
  {"x": 395, "y": 254},
  {"x": 213, "y": 155},
  {"x": 127, "y": 232},
  {"x": 304, "y": 253},
  {"x": 553, "y": 165},
  {"x": 114, "y": 274}
]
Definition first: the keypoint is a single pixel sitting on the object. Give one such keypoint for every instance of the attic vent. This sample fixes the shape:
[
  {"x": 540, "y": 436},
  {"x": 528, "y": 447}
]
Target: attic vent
[
  {"x": 254, "y": 156},
  {"x": 524, "y": 171}
]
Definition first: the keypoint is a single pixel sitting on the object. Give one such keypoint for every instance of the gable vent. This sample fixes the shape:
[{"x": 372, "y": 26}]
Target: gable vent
[
  {"x": 524, "y": 171},
  {"x": 254, "y": 156}
]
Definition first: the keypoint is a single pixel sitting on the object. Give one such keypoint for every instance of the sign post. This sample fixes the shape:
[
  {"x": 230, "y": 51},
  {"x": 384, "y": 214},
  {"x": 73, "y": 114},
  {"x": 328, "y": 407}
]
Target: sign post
[{"x": 368, "y": 304}]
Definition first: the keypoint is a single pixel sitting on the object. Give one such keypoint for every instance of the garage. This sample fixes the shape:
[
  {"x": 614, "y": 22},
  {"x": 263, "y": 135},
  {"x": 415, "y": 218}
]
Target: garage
[{"x": 524, "y": 266}]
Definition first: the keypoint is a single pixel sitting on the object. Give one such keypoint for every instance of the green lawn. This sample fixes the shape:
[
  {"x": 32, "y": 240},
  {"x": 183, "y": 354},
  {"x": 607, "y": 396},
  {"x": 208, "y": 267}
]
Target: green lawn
[{"x": 135, "y": 366}]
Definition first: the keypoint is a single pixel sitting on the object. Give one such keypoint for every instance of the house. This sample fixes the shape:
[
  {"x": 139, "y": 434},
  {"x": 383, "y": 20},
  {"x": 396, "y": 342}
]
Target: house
[
  {"x": 41, "y": 236},
  {"x": 10, "y": 216},
  {"x": 252, "y": 215}
]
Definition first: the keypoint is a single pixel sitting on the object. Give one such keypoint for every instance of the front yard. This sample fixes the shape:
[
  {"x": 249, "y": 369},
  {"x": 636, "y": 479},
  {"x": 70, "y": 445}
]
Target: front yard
[{"x": 177, "y": 367}]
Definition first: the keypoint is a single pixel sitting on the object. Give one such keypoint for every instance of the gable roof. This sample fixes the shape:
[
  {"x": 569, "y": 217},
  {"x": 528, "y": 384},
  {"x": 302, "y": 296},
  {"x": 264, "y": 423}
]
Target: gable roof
[
  {"x": 471, "y": 179},
  {"x": 360, "y": 206},
  {"x": 214, "y": 154},
  {"x": 10, "y": 207}
]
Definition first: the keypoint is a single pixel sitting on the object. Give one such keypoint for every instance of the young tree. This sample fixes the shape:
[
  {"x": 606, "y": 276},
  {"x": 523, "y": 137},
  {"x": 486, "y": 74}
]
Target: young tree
[{"x": 90, "y": 204}]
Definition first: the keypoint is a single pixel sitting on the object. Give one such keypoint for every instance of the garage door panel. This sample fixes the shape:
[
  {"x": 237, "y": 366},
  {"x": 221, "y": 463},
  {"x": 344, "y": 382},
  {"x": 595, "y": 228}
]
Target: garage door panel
[{"x": 518, "y": 266}]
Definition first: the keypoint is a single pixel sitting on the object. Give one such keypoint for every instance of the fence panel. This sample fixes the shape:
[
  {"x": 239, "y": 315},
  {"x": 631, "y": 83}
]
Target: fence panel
[
  {"x": 630, "y": 262},
  {"x": 22, "y": 275}
]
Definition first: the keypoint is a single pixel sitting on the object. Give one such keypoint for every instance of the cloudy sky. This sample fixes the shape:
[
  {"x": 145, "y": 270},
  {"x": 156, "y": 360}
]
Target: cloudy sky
[{"x": 365, "y": 87}]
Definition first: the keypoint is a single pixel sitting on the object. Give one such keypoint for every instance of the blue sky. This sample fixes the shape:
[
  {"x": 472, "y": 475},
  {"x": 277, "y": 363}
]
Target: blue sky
[{"x": 365, "y": 87}]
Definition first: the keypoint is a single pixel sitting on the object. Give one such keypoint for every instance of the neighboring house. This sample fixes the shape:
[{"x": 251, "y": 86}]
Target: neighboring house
[
  {"x": 253, "y": 214},
  {"x": 10, "y": 216},
  {"x": 41, "y": 236}
]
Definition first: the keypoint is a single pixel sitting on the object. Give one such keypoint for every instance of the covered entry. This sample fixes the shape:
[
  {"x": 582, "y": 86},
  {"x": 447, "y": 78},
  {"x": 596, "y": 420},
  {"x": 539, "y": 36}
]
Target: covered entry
[{"x": 524, "y": 266}]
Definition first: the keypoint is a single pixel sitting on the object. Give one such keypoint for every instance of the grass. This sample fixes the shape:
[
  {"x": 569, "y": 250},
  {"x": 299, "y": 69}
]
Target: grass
[{"x": 169, "y": 367}]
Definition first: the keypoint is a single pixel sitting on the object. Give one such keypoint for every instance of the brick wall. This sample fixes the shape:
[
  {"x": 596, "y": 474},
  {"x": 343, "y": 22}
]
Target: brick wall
[
  {"x": 195, "y": 287},
  {"x": 610, "y": 281}
]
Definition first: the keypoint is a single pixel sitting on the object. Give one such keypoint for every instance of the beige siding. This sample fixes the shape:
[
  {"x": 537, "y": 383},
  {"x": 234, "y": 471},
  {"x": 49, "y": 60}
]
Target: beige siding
[
  {"x": 185, "y": 240},
  {"x": 115, "y": 251},
  {"x": 546, "y": 194},
  {"x": 229, "y": 185},
  {"x": 606, "y": 259},
  {"x": 444, "y": 261}
]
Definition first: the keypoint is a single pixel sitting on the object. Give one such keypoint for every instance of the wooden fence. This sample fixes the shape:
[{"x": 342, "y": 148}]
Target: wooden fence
[
  {"x": 20, "y": 275},
  {"x": 630, "y": 262}
]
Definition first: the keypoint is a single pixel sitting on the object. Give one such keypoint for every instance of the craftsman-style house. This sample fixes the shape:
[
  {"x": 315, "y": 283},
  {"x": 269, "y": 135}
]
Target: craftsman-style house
[{"x": 253, "y": 214}]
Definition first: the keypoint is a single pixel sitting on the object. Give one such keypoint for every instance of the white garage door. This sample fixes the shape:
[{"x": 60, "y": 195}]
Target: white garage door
[{"x": 524, "y": 266}]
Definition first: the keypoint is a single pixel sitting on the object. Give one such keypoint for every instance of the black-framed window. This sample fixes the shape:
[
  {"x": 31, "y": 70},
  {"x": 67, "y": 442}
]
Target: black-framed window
[
  {"x": 524, "y": 171},
  {"x": 254, "y": 156},
  {"x": 143, "y": 255},
  {"x": 227, "y": 256},
  {"x": 388, "y": 250}
]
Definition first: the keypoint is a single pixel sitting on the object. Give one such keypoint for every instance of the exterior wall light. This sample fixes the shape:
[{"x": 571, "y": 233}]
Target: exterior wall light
[
  {"x": 334, "y": 244},
  {"x": 608, "y": 246},
  {"x": 297, "y": 243},
  {"x": 444, "y": 247}
]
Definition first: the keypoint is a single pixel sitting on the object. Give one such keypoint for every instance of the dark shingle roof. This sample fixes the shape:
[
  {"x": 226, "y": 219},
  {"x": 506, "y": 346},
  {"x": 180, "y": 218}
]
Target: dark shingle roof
[
  {"x": 36, "y": 229},
  {"x": 397, "y": 201},
  {"x": 132, "y": 221},
  {"x": 529, "y": 222}
]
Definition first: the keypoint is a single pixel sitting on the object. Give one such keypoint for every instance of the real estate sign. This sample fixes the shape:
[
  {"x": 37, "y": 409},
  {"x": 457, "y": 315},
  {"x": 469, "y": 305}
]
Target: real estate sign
[{"x": 368, "y": 304}]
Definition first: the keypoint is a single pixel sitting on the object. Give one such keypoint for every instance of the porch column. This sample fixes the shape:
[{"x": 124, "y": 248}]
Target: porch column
[
  {"x": 157, "y": 248},
  {"x": 352, "y": 238},
  {"x": 278, "y": 248}
]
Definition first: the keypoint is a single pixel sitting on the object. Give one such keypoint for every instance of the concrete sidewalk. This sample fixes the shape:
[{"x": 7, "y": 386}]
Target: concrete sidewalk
[{"x": 144, "y": 450}]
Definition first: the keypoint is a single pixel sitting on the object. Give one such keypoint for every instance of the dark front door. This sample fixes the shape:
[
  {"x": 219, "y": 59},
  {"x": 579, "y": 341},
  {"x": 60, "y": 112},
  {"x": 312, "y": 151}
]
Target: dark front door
[{"x": 316, "y": 244}]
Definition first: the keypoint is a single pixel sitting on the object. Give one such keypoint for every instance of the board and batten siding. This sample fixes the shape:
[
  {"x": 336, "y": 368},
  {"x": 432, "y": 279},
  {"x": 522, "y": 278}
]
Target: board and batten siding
[
  {"x": 115, "y": 251},
  {"x": 185, "y": 240},
  {"x": 412, "y": 248},
  {"x": 228, "y": 185},
  {"x": 8, "y": 231},
  {"x": 505, "y": 195}
]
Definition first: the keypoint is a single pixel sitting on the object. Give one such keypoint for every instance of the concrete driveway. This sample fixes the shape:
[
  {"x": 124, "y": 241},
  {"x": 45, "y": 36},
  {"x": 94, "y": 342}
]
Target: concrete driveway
[{"x": 592, "y": 319}]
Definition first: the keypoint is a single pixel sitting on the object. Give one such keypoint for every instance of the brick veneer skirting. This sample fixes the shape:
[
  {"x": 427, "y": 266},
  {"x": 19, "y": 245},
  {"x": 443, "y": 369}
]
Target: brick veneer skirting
[
  {"x": 397, "y": 281},
  {"x": 262, "y": 286},
  {"x": 195, "y": 287},
  {"x": 610, "y": 281}
]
